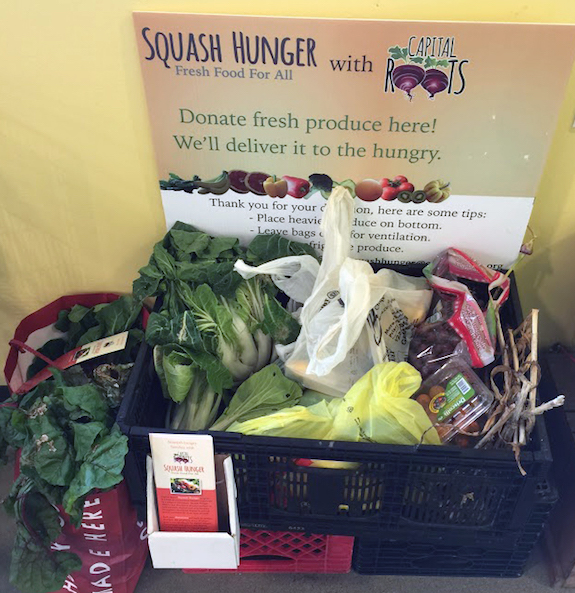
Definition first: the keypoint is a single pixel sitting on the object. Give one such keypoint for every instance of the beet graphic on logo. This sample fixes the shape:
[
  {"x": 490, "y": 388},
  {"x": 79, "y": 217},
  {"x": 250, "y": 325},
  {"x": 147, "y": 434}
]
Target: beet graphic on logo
[
  {"x": 407, "y": 77},
  {"x": 434, "y": 81}
]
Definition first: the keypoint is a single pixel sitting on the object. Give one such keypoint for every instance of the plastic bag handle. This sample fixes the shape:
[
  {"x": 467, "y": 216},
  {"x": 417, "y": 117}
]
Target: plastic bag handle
[{"x": 22, "y": 346}]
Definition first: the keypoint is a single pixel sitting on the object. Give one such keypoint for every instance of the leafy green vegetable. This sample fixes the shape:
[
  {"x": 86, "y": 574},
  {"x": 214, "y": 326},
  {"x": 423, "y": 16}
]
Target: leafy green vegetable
[
  {"x": 265, "y": 248},
  {"x": 37, "y": 569},
  {"x": 88, "y": 324},
  {"x": 278, "y": 323},
  {"x": 88, "y": 398},
  {"x": 264, "y": 392},
  {"x": 213, "y": 328},
  {"x": 101, "y": 469},
  {"x": 69, "y": 448},
  {"x": 179, "y": 372},
  {"x": 84, "y": 437}
]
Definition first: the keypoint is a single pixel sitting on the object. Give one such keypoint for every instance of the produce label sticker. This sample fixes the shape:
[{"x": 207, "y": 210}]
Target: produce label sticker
[{"x": 439, "y": 129}]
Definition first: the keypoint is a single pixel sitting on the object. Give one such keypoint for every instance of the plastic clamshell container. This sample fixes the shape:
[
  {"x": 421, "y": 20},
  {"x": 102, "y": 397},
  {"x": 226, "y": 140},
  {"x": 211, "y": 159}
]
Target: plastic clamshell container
[
  {"x": 178, "y": 549},
  {"x": 456, "y": 397}
]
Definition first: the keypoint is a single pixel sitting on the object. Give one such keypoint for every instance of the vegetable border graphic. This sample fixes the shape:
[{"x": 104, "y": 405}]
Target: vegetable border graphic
[{"x": 272, "y": 186}]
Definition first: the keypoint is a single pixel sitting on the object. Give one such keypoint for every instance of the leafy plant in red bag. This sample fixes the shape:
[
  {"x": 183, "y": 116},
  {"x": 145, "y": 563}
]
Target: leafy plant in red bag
[
  {"x": 70, "y": 446},
  {"x": 81, "y": 325}
]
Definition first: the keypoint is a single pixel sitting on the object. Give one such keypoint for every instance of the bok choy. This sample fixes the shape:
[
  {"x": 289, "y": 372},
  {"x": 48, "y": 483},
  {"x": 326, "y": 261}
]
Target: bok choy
[{"x": 214, "y": 329}]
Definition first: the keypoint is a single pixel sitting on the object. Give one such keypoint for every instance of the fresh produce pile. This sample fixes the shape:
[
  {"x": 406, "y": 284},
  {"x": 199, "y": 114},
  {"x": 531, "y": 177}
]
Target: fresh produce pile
[{"x": 216, "y": 335}]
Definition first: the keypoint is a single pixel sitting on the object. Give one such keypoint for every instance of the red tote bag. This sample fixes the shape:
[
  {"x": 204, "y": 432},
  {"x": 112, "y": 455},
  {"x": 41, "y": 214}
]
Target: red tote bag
[{"x": 110, "y": 541}]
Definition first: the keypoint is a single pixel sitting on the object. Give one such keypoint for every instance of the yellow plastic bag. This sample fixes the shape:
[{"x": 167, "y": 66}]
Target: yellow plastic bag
[{"x": 378, "y": 408}]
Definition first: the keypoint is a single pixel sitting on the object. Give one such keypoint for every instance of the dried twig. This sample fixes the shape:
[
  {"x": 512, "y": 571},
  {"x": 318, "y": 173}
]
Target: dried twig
[{"x": 514, "y": 382}]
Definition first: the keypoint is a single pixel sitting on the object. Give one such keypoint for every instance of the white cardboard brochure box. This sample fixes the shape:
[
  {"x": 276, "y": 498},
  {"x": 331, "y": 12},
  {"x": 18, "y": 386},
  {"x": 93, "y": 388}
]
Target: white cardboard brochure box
[{"x": 194, "y": 550}]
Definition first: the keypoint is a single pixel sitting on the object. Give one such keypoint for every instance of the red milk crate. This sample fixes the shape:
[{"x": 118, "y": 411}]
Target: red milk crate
[{"x": 279, "y": 551}]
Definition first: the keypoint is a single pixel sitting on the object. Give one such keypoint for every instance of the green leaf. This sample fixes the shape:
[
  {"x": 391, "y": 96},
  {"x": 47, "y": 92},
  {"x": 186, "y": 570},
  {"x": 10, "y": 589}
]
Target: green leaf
[
  {"x": 87, "y": 398},
  {"x": 62, "y": 323},
  {"x": 146, "y": 285},
  {"x": 182, "y": 226},
  {"x": 417, "y": 60},
  {"x": 84, "y": 437},
  {"x": 19, "y": 421},
  {"x": 264, "y": 392},
  {"x": 429, "y": 62},
  {"x": 220, "y": 276},
  {"x": 53, "y": 459},
  {"x": 75, "y": 332},
  {"x": 101, "y": 469},
  {"x": 404, "y": 53},
  {"x": 119, "y": 315},
  {"x": 8, "y": 432},
  {"x": 37, "y": 569},
  {"x": 189, "y": 243},
  {"x": 210, "y": 315},
  {"x": 174, "y": 176},
  {"x": 179, "y": 372},
  {"x": 443, "y": 63},
  {"x": 164, "y": 261},
  {"x": 42, "y": 517},
  {"x": 217, "y": 375},
  {"x": 180, "y": 330},
  {"x": 159, "y": 329},
  {"x": 265, "y": 248},
  {"x": 158, "y": 356},
  {"x": 279, "y": 323},
  {"x": 77, "y": 313},
  {"x": 223, "y": 247},
  {"x": 94, "y": 333},
  {"x": 151, "y": 271}
]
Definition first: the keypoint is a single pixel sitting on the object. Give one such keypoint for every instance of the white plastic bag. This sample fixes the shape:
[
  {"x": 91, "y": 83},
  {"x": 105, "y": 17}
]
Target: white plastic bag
[
  {"x": 354, "y": 317},
  {"x": 294, "y": 275}
]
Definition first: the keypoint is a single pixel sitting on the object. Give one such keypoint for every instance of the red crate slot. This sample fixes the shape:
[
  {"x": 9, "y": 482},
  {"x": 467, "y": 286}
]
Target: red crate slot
[{"x": 279, "y": 551}]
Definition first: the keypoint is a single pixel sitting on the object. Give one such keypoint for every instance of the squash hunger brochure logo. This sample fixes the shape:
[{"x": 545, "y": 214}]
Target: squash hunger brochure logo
[{"x": 429, "y": 62}]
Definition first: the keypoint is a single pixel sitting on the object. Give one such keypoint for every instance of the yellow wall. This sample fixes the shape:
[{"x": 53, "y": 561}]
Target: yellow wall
[{"x": 80, "y": 204}]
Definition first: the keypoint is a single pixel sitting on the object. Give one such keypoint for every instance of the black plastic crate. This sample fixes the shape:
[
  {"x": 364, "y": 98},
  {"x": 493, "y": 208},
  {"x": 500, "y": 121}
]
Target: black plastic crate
[
  {"x": 441, "y": 554},
  {"x": 392, "y": 487}
]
